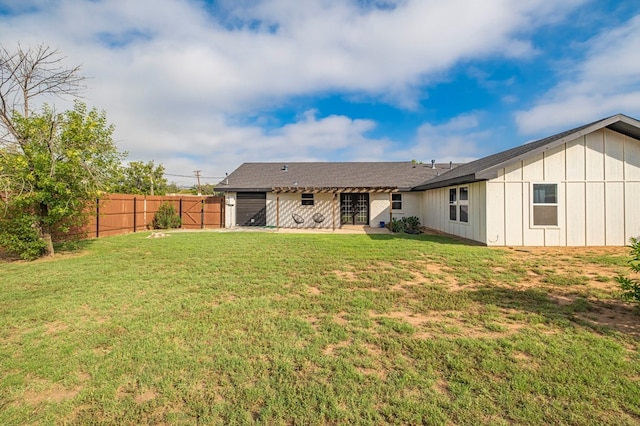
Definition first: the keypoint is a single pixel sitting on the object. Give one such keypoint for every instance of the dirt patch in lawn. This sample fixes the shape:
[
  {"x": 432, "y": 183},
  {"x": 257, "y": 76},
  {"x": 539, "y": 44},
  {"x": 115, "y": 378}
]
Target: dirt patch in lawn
[
  {"x": 146, "y": 396},
  {"x": 46, "y": 392},
  {"x": 56, "y": 393},
  {"x": 580, "y": 281}
]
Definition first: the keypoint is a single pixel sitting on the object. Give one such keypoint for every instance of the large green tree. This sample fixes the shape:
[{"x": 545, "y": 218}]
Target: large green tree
[
  {"x": 141, "y": 178},
  {"x": 57, "y": 169},
  {"x": 52, "y": 165}
]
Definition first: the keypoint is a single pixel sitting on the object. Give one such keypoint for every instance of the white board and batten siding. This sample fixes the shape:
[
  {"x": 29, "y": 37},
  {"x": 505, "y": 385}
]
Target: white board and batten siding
[
  {"x": 598, "y": 177},
  {"x": 435, "y": 212}
]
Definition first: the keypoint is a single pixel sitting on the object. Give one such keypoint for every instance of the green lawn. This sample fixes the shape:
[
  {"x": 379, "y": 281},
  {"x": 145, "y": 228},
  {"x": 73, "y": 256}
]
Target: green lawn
[{"x": 237, "y": 328}]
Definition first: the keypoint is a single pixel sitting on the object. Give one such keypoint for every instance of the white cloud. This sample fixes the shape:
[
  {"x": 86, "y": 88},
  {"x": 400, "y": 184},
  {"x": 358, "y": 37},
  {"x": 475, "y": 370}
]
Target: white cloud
[
  {"x": 226, "y": 145},
  {"x": 606, "y": 82},
  {"x": 459, "y": 140},
  {"x": 173, "y": 77}
]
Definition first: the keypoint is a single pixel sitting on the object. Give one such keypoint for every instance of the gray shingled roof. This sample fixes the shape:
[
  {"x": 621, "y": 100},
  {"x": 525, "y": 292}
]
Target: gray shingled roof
[
  {"x": 486, "y": 168},
  {"x": 262, "y": 177}
]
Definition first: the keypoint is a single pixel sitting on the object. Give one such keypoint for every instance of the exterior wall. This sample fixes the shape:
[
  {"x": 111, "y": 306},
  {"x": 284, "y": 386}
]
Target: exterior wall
[
  {"x": 598, "y": 177},
  {"x": 291, "y": 204},
  {"x": 380, "y": 205},
  {"x": 435, "y": 212},
  {"x": 230, "y": 210}
]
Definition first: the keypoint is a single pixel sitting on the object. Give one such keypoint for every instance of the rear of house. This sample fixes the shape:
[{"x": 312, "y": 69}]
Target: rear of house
[
  {"x": 580, "y": 187},
  {"x": 323, "y": 194}
]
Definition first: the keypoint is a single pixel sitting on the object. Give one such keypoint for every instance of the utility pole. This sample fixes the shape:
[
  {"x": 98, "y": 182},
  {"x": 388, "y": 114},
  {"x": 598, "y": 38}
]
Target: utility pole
[{"x": 197, "y": 172}]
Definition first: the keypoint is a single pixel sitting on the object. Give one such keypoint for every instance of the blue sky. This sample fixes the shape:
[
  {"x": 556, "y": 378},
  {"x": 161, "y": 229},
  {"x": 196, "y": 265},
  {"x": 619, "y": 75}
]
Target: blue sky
[{"x": 208, "y": 85}]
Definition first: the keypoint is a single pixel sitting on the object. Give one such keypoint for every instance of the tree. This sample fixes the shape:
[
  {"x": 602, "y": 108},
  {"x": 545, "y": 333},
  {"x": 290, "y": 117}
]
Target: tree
[
  {"x": 173, "y": 188},
  {"x": 57, "y": 169},
  {"x": 141, "y": 178},
  {"x": 52, "y": 165},
  {"x": 204, "y": 189}
]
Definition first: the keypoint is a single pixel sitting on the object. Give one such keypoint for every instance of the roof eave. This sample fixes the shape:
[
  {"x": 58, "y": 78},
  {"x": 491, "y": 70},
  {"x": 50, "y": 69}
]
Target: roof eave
[
  {"x": 449, "y": 182},
  {"x": 231, "y": 189}
]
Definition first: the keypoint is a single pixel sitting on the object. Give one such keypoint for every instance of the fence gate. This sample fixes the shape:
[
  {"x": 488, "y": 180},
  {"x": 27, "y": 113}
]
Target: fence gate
[{"x": 192, "y": 213}]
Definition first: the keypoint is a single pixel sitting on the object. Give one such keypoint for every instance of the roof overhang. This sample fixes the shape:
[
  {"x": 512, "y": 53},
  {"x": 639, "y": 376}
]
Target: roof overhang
[
  {"x": 449, "y": 182},
  {"x": 221, "y": 188}
]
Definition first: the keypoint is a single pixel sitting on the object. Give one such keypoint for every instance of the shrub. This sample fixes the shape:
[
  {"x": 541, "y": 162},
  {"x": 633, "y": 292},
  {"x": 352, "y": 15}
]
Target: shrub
[
  {"x": 18, "y": 235},
  {"x": 631, "y": 286},
  {"x": 166, "y": 217},
  {"x": 397, "y": 225},
  {"x": 410, "y": 225}
]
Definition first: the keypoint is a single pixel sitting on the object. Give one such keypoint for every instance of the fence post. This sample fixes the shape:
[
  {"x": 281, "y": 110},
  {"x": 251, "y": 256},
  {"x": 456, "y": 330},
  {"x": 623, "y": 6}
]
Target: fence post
[
  {"x": 180, "y": 214},
  {"x": 202, "y": 214},
  {"x": 135, "y": 213},
  {"x": 97, "y": 217}
]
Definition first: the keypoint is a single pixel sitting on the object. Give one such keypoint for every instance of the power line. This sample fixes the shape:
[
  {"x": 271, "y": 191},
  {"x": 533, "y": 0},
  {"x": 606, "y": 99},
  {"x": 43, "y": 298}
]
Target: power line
[{"x": 194, "y": 177}]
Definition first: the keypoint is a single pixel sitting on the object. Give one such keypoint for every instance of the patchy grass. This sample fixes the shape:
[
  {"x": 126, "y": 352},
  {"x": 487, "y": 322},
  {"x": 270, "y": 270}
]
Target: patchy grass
[{"x": 234, "y": 328}]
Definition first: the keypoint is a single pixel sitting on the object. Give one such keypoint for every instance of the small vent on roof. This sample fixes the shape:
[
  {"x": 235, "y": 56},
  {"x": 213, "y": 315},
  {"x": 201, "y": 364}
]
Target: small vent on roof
[
  {"x": 433, "y": 164},
  {"x": 451, "y": 164},
  {"x": 285, "y": 168}
]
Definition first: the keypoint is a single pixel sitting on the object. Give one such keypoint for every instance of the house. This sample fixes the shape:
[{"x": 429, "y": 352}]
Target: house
[
  {"x": 580, "y": 187},
  {"x": 324, "y": 194}
]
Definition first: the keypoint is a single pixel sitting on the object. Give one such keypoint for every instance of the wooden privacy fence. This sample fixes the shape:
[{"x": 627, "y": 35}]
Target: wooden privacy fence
[{"x": 120, "y": 214}]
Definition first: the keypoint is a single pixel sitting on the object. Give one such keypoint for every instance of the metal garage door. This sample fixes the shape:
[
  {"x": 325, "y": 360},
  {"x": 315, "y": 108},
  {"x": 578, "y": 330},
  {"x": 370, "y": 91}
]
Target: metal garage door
[{"x": 251, "y": 209}]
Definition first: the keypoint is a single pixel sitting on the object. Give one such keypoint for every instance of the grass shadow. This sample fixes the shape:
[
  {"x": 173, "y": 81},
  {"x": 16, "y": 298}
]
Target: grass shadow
[
  {"x": 440, "y": 239},
  {"x": 73, "y": 246},
  {"x": 602, "y": 317}
]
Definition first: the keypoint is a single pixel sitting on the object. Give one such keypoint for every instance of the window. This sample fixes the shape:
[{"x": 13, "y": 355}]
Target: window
[
  {"x": 463, "y": 193},
  {"x": 396, "y": 201},
  {"x": 307, "y": 199},
  {"x": 459, "y": 204},
  {"x": 545, "y": 204},
  {"x": 453, "y": 204}
]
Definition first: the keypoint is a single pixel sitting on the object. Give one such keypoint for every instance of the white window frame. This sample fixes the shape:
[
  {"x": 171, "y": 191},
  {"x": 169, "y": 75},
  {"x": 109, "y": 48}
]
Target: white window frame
[
  {"x": 458, "y": 203},
  {"x": 533, "y": 204},
  {"x": 462, "y": 203},
  {"x": 401, "y": 201}
]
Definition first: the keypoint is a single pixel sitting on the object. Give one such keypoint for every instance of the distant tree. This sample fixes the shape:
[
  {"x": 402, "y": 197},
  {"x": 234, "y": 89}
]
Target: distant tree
[
  {"x": 173, "y": 188},
  {"x": 52, "y": 165},
  {"x": 205, "y": 189},
  {"x": 141, "y": 178}
]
